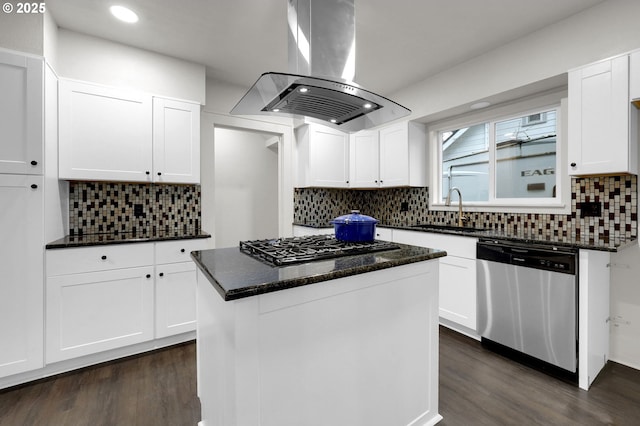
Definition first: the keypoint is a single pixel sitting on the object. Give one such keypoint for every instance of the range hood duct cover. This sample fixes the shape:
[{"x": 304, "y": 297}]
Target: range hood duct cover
[{"x": 321, "y": 47}]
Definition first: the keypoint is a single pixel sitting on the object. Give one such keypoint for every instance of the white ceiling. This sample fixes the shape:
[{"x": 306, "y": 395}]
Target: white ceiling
[{"x": 398, "y": 42}]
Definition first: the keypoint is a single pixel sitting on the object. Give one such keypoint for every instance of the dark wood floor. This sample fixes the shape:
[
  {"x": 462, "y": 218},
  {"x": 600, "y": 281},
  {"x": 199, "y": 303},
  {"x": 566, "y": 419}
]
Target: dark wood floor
[{"x": 477, "y": 387}]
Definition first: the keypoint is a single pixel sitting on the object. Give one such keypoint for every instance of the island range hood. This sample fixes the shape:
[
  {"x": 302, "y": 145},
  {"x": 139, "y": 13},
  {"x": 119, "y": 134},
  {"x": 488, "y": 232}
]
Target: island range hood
[{"x": 319, "y": 86}]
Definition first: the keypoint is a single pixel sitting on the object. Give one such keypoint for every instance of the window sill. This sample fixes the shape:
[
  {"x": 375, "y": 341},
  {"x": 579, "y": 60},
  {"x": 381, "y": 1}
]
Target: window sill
[{"x": 559, "y": 208}]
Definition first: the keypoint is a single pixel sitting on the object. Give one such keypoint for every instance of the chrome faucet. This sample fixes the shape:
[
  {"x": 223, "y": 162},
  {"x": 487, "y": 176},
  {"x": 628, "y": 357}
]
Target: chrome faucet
[{"x": 461, "y": 218}]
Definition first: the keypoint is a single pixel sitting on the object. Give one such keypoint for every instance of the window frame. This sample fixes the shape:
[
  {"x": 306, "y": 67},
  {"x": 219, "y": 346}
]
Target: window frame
[{"x": 561, "y": 204}]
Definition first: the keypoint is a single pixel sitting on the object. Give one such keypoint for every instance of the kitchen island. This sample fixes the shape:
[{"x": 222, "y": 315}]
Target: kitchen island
[{"x": 345, "y": 341}]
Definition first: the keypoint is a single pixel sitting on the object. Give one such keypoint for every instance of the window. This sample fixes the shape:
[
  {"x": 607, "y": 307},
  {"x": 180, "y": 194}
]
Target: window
[{"x": 507, "y": 161}]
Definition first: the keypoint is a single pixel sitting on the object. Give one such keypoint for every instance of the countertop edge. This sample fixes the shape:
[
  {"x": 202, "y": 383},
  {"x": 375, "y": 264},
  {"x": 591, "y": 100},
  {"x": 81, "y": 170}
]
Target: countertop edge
[
  {"x": 254, "y": 290},
  {"x": 62, "y": 244}
]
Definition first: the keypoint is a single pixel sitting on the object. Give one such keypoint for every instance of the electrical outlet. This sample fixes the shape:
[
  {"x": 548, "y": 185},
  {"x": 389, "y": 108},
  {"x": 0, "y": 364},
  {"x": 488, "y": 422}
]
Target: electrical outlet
[
  {"x": 137, "y": 210},
  {"x": 590, "y": 209},
  {"x": 404, "y": 206}
]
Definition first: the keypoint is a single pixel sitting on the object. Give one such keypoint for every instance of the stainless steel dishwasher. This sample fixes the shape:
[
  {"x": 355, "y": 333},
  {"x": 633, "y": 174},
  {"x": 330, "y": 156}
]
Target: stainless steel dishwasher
[{"x": 527, "y": 304}]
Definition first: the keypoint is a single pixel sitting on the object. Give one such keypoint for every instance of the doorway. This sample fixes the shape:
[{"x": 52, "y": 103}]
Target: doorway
[{"x": 245, "y": 185}]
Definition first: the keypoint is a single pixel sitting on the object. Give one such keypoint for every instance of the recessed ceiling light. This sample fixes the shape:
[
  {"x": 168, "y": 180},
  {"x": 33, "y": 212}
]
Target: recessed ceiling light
[
  {"x": 480, "y": 105},
  {"x": 303, "y": 90},
  {"x": 367, "y": 106},
  {"x": 124, "y": 14}
]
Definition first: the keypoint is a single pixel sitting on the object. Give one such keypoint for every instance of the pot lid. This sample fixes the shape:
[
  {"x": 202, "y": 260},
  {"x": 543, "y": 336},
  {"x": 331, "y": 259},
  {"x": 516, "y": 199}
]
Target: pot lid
[{"x": 354, "y": 217}]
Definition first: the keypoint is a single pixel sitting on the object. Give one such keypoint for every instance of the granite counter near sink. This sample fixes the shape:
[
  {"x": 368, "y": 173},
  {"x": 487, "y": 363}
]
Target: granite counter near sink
[{"x": 523, "y": 236}]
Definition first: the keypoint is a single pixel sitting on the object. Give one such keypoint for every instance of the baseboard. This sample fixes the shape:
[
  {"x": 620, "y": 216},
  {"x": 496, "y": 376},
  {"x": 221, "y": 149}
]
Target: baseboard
[{"x": 93, "y": 359}]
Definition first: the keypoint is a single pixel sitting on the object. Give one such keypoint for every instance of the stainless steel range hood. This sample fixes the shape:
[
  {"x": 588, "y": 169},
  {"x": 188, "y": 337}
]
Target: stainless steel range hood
[{"x": 320, "y": 83}]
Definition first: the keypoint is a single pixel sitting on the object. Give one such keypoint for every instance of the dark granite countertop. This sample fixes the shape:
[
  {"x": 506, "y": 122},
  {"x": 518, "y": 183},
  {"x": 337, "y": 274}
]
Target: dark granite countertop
[
  {"x": 610, "y": 244},
  {"x": 236, "y": 275},
  {"x": 126, "y": 238}
]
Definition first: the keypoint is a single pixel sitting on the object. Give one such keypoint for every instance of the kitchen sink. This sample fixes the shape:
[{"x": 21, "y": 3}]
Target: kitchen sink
[{"x": 448, "y": 228}]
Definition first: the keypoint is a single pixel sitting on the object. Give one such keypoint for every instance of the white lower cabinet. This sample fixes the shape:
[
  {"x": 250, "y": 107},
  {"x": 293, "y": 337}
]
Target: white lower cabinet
[
  {"x": 457, "y": 300},
  {"x": 175, "y": 298},
  {"x": 98, "y": 311},
  {"x": 458, "y": 291},
  {"x": 176, "y": 286},
  {"x": 106, "y": 297}
]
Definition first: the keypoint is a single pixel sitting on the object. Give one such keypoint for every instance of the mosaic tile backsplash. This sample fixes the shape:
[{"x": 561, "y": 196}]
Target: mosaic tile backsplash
[
  {"x": 107, "y": 207},
  {"x": 617, "y": 195}
]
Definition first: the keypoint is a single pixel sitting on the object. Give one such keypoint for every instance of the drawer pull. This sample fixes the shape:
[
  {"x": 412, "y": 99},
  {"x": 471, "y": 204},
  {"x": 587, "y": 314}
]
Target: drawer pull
[
  {"x": 148, "y": 275},
  {"x": 181, "y": 250},
  {"x": 103, "y": 257},
  {"x": 161, "y": 274},
  {"x": 34, "y": 186},
  {"x": 34, "y": 163}
]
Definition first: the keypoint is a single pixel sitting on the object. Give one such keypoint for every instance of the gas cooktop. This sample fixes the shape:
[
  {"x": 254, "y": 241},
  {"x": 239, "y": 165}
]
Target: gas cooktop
[{"x": 285, "y": 251}]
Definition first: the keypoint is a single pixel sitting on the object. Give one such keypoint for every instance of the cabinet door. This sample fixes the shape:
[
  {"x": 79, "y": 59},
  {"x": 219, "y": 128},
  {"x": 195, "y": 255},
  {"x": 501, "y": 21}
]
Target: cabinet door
[
  {"x": 458, "y": 290},
  {"x": 176, "y": 141},
  {"x": 326, "y": 153},
  {"x": 599, "y": 119},
  {"x": 394, "y": 155},
  {"x": 105, "y": 134},
  {"x": 21, "y": 274},
  {"x": 21, "y": 116},
  {"x": 98, "y": 311},
  {"x": 364, "y": 165},
  {"x": 175, "y": 298}
]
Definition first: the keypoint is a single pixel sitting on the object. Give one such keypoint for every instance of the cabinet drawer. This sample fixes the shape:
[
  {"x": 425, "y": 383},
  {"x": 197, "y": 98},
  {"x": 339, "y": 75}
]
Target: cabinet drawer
[
  {"x": 98, "y": 258},
  {"x": 384, "y": 234},
  {"x": 178, "y": 251}
]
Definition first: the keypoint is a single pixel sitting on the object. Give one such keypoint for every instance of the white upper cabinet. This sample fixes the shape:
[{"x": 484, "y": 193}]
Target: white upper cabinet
[
  {"x": 602, "y": 135},
  {"x": 21, "y": 114},
  {"x": 105, "y": 134},
  {"x": 323, "y": 157},
  {"x": 364, "y": 163},
  {"x": 119, "y": 135},
  {"x": 393, "y": 156},
  {"x": 176, "y": 141},
  {"x": 634, "y": 77}
]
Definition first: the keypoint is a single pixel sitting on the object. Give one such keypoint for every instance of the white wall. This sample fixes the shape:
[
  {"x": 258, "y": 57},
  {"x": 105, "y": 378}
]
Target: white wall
[
  {"x": 93, "y": 59},
  {"x": 604, "y": 30},
  {"x": 21, "y": 32},
  {"x": 246, "y": 187}
]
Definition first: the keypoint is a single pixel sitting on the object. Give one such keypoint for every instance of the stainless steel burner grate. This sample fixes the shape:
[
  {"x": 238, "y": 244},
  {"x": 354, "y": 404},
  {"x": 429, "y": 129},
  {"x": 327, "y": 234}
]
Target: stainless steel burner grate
[{"x": 284, "y": 251}]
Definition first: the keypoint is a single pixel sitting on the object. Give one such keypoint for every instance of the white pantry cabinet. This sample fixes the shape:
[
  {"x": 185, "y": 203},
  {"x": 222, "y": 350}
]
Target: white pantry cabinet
[
  {"x": 121, "y": 135},
  {"x": 176, "y": 141},
  {"x": 457, "y": 274},
  {"x": 602, "y": 128},
  {"x": 323, "y": 157},
  {"x": 392, "y": 156},
  {"x": 21, "y": 273},
  {"x": 100, "y": 302},
  {"x": 21, "y": 114}
]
